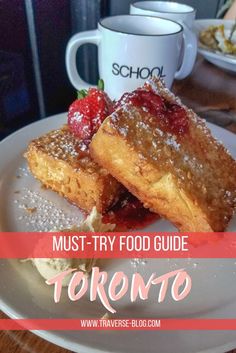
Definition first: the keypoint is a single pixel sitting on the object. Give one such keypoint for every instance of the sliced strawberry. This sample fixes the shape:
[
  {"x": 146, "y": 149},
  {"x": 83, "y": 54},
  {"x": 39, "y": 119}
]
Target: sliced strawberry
[
  {"x": 87, "y": 113},
  {"x": 79, "y": 118},
  {"x": 101, "y": 107}
]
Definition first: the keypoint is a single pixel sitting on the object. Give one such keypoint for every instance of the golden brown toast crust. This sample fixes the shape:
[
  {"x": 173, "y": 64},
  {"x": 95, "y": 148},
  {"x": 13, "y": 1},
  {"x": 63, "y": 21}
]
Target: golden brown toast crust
[
  {"x": 61, "y": 162},
  {"x": 189, "y": 179}
]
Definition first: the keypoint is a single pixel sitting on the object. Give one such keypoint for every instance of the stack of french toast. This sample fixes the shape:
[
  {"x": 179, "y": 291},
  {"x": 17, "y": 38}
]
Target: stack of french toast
[{"x": 150, "y": 144}]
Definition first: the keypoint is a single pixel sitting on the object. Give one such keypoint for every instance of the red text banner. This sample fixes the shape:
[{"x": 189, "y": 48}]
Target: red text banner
[
  {"x": 117, "y": 324},
  {"x": 117, "y": 245}
]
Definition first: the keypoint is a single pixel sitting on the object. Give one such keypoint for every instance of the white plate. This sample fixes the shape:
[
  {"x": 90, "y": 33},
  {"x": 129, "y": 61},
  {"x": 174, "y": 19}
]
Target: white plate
[
  {"x": 24, "y": 294},
  {"x": 224, "y": 61}
]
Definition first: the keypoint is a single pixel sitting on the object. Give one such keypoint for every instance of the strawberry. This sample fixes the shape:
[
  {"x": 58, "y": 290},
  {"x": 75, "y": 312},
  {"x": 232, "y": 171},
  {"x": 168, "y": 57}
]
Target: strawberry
[{"x": 88, "y": 111}]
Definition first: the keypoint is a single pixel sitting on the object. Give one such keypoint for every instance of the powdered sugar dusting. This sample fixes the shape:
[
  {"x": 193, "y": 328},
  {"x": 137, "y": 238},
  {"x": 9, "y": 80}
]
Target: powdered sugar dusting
[
  {"x": 45, "y": 215},
  {"x": 76, "y": 117},
  {"x": 171, "y": 141},
  {"x": 62, "y": 145},
  {"x": 137, "y": 263}
]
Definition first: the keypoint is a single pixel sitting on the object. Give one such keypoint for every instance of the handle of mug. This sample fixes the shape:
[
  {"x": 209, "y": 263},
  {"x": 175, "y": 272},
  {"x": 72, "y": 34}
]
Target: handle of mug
[
  {"x": 73, "y": 45},
  {"x": 190, "y": 53}
]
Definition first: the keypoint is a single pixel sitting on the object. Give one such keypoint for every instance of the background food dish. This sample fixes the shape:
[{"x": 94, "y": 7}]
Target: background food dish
[
  {"x": 224, "y": 61},
  {"x": 35, "y": 299}
]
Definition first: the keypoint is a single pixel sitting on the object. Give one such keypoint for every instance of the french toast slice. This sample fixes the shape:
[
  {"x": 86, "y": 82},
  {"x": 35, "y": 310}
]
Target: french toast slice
[
  {"x": 63, "y": 163},
  {"x": 166, "y": 156}
]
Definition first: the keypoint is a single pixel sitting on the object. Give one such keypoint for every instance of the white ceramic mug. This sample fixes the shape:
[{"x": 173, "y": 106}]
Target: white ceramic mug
[
  {"x": 181, "y": 13},
  {"x": 131, "y": 48},
  {"x": 165, "y": 9}
]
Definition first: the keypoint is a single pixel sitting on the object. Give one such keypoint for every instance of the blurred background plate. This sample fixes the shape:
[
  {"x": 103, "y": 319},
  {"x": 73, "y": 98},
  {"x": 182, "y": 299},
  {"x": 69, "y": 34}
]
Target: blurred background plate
[{"x": 222, "y": 60}]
